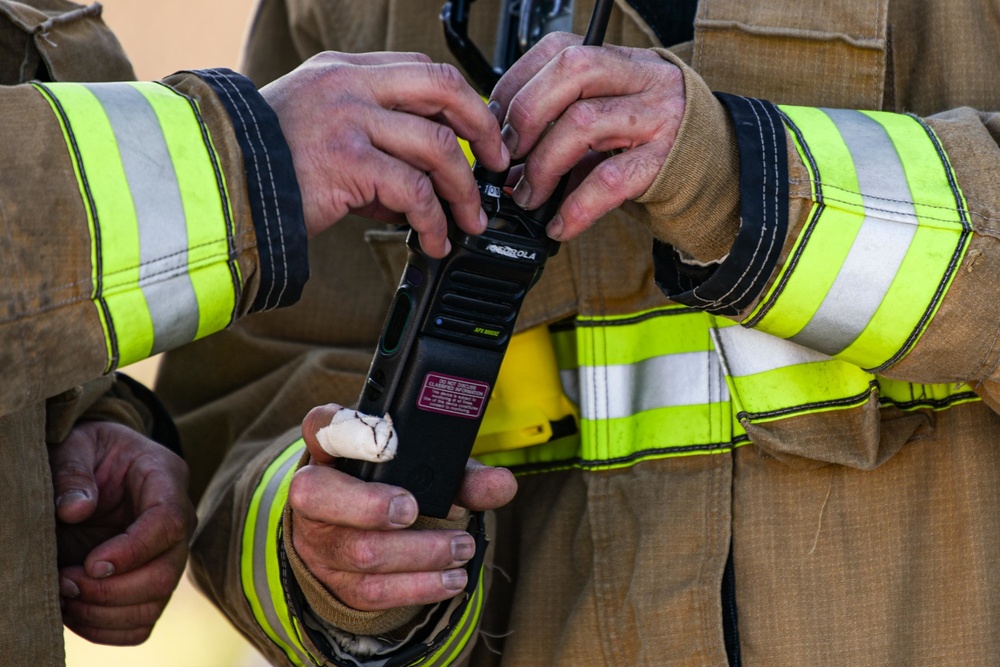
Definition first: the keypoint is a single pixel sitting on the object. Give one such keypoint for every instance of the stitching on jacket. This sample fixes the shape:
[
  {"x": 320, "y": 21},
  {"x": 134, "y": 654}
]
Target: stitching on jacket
[
  {"x": 952, "y": 265},
  {"x": 220, "y": 183},
  {"x": 993, "y": 346},
  {"x": 829, "y": 186},
  {"x": 87, "y": 281},
  {"x": 29, "y": 391},
  {"x": 274, "y": 191},
  {"x": 774, "y": 227},
  {"x": 222, "y": 81},
  {"x": 774, "y": 224},
  {"x": 820, "y": 197},
  {"x": 112, "y": 335}
]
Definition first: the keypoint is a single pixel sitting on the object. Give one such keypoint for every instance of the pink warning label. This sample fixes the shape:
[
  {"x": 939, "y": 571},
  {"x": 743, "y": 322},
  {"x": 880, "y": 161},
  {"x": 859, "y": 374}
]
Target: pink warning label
[{"x": 450, "y": 395}]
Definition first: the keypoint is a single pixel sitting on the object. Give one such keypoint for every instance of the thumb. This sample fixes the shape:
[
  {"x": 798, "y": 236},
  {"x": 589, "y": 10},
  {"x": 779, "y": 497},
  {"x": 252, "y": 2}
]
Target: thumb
[
  {"x": 75, "y": 489},
  {"x": 485, "y": 487}
]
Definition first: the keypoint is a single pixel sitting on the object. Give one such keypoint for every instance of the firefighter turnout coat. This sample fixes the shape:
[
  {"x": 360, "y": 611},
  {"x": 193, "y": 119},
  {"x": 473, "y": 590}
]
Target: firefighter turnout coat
[
  {"x": 131, "y": 224},
  {"x": 786, "y": 456}
]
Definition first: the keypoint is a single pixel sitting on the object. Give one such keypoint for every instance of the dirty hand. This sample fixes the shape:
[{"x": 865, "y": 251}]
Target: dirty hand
[
  {"x": 351, "y": 534},
  {"x": 563, "y": 104},
  {"x": 123, "y": 523},
  {"x": 375, "y": 134}
]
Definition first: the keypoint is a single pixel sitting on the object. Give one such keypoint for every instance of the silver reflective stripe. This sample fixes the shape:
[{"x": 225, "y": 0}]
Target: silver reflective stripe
[
  {"x": 570, "y": 381},
  {"x": 881, "y": 243},
  {"x": 748, "y": 351},
  {"x": 689, "y": 378},
  {"x": 159, "y": 210},
  {"x": 262, "y": 542}
]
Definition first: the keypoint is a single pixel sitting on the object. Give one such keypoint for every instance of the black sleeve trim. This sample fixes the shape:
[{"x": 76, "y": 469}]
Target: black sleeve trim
[
  {"x": 731, "y": 286},
  {"x": 275, "y": 199}
]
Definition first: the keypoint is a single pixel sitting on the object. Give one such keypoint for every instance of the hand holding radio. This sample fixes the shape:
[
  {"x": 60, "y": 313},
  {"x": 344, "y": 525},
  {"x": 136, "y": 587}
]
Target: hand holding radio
[
  {"x": 350, "y": 533},
  {"x": 375, "y": 134},
  {"x": 612, "y": 110}
]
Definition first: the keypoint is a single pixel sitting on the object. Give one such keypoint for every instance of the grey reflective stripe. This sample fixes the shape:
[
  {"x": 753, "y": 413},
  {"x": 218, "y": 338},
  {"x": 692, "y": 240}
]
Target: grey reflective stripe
[
  {"x": 570, "y": 381},
  {"x": 262, "y": 542},
  {"x": 748, "y": 351},
  {"x": 689, "y": 378},
  {"x": 159, "y": 210},
  {"x": 881, "y": 243}
]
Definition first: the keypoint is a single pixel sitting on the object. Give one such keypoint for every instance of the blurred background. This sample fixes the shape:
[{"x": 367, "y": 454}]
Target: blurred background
[{"x": 161, "y": 38}]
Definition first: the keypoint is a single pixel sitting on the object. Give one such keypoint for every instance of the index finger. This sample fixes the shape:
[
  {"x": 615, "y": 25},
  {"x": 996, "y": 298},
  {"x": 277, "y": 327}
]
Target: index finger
[
  {"x": 435, "y": 90},
  {"x": 164, "y": 519},
  {"x": 528, "y": 65}
]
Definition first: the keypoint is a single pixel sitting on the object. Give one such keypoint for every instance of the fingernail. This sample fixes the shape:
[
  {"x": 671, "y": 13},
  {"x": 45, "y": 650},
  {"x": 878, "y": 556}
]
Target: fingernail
[
  {"x": 102, "y": 569},
  {"x": 495, "y": 109},
  {"x": 67, "y": 588},
  {"x": 463, "y": 548},
  {"x": 509, "y": 136},
  {"x": 454, "y": 580},
  {"x": 71, "y": 497},
  {"x": 555, "y": 228},
  {"x": 483, "y": 220},
  {"x": 403, "y": 510},
  {"x": 505, "y": 154},
  {"x": 522, "y": 193}
]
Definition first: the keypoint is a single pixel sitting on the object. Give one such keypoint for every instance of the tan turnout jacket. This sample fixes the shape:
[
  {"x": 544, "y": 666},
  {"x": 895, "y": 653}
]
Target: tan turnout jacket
[
  {"x": 68, "y": 287},
  {"x": 865, "y": 536}
]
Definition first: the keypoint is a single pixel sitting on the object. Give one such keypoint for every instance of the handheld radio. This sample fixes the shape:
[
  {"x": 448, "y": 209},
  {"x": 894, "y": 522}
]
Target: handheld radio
[{"x": 446, "y": 334}]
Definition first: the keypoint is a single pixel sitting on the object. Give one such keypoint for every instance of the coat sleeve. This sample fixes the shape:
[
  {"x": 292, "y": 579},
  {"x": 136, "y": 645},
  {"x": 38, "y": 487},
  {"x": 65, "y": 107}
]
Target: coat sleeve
[
  {"x": 868, "y": 237},
  {"x": 243, "y": 559},
  {"x": 137, "y": 217}
]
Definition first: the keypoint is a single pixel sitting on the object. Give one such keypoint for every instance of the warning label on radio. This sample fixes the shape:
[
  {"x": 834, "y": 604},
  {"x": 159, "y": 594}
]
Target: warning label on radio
[{"x": 453, "y": 395}]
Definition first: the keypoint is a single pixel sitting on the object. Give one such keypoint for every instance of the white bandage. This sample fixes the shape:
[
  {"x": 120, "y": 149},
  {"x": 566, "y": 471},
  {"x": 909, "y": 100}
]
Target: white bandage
[{"x": 354, "y": 435}]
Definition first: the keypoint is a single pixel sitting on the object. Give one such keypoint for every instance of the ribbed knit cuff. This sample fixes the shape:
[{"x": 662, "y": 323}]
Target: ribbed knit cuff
[{"x": 693, "y": 205}]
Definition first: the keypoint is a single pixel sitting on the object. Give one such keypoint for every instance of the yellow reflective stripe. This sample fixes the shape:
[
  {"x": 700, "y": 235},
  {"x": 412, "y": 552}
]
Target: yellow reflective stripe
[
  {"x": 213, "y": 272},
  {"x": 564, "y": 345},
  {"x": 931, "y": 260},
  {"x": 161, "y": 228},
  {"x": 115, "y": 224},
  {"x": 654, "y": 434},
  {"x": 88, "y": 203},
  {"x": 812, "y": 387},
  {"x": 651, "y": 333},
  {"x": 828, "y": 244},
  {"x": 460, "y": 634},
  {"x": 912, "y": 396},
  {"x": 883, "y": 240},
  {"x": 774, "y": 378},
  {"x": 260, "y": 569}
]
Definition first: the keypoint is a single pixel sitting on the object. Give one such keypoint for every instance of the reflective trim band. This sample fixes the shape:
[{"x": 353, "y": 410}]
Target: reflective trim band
[
  {"x": 652, "y": 387},
  {"x": 775, "y": 378},
  {"x": 688, "y": 378},
  {"x": 656, "y": 434},
  {"x": 260, "y": 567},
  {"x": 911, "y": 396},
  {"x": 886, "y": 233},
  {"x": 161, "y": 228},
  {"x": 643, "y": 335}
]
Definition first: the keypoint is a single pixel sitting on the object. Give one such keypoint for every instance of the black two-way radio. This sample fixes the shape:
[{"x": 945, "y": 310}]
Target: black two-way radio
[{"x": 446, "y": 334}]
